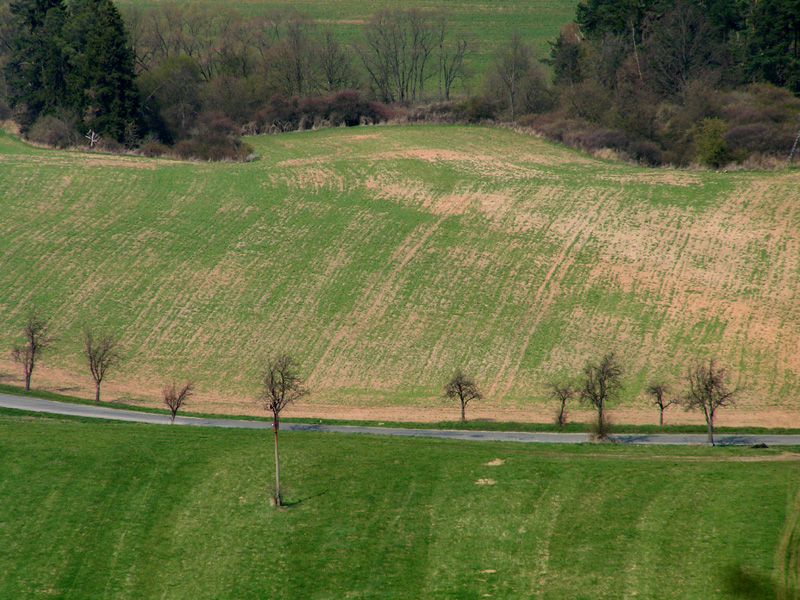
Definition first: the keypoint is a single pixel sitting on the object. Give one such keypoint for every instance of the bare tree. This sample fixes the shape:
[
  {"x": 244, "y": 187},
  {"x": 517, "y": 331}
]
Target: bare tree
[
  {"x": 101, "y": 355},
  {"x": 37, "y": 340},
  {"x": 602, "y": 383},
  {"x": 451, "y": 56},
  {"x": 280, "y": 386},
  {"x": 708, "y": 392},
  {"x": 398, "y": 45},
  {"x": 512, "y": 65},
  {"x": 462, "y": 387},
  {"x": 658, "y": 391},
  {"x": 561, "y": 393},
  {"x": 335, "y": 67},
  {"x": 175, "y": 398}
]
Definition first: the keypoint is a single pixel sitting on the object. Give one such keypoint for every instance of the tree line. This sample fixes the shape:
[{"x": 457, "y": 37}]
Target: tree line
[{"x": 673, "y": 81}]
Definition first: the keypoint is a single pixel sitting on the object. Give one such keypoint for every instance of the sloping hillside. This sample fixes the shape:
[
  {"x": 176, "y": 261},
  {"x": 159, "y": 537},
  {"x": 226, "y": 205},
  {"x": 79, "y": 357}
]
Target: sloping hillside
[{"x": 384, "y": 257}]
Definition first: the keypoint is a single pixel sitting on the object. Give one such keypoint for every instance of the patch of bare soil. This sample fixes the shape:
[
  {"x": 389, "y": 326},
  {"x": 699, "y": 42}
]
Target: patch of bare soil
[
  {"x": 495, "y": 463},
  {"x": 485, "y": 482}
]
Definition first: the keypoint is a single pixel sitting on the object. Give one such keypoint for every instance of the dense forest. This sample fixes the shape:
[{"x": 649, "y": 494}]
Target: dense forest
[{"x": 655, "y": 81}]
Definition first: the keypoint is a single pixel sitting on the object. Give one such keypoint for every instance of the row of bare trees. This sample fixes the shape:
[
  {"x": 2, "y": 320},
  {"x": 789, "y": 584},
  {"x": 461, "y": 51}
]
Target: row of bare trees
[
  {"x": 101, "y": 353},
  {"x": 400, "y": 50},
  {"x": 705, "y": 381},
  {"x": 602, "y": 382}
]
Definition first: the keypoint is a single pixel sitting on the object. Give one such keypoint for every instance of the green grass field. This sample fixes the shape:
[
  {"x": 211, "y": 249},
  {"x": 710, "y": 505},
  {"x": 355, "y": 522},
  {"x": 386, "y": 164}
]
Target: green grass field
[
  {"x": 95, "y": 509},
  {"x": 384, "y": 257}
]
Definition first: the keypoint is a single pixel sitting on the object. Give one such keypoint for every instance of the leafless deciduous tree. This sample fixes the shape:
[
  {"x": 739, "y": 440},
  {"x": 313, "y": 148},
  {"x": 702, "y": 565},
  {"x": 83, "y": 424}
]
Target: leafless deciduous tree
[
  {"x": 660, "y": 392},
  {"x": 602, "y": 383},
  {"x": 708, "y": 392},
  {"x": 462, "y": 387},
  {"x": 516, "y": 81},
  {"x": 280, "y": 386},
  {"x": 101, "y": 354},
  {"x": 335, "y": 67},
  {"x": 561, "y": 393},
  {"x": 37, "y": 340},
  {"x": 451, "y": 55},
  {"x": 175, "y": 397},
  {"x": 398, "y": 46}
]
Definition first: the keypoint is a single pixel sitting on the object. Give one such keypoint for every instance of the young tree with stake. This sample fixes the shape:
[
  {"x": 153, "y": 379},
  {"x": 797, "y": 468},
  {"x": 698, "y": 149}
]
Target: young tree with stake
[
  {"x": 37, "y": 340},
  {"x": 175, "y": 398},
  {"x": 280, "y": 386},
  {"x": 101, "y": 355},
  {"x": 462, "y": 387}
]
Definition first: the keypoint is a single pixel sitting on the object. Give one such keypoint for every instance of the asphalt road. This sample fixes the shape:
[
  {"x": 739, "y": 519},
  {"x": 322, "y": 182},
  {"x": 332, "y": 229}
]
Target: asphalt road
[{"x": 100, "y": 412}]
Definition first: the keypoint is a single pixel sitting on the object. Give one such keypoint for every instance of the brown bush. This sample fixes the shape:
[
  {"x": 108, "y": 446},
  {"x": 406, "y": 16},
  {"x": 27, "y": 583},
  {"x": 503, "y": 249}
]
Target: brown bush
[
  {"x": 346, "y": 108},
  {"x": 56, "y": 132},
  {"x": 153, "y": 149},
  {"x": 764, "y": 138}
]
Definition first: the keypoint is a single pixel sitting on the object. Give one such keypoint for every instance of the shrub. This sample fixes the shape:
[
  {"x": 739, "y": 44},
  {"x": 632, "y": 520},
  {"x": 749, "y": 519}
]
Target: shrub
[
  {"x": 153, "y": 149},
  {"x": 479, "y": 108},
  {"x": 765, "y": 138},
  {"x": 110, "y": 145},
  {"x": 346, "y": 108},
  {"x": 711, "y": 148},
  {"x": 57, "y": 132}
]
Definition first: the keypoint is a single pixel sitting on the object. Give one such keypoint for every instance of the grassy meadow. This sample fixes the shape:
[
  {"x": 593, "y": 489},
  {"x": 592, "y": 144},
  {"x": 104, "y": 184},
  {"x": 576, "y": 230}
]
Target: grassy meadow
[
  {"x": 102, "y": 509},
  {"x": 384, "y": 257}
]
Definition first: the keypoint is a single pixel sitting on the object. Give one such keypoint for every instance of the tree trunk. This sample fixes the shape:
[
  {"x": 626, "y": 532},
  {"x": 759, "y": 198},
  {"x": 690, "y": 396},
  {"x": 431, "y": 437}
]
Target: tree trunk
[
  {"x": 97, "y": 393},
  {"x": 710, "y": 424},
  {"x": 463, "y": 418},
  {"x": 601, "y": 430},
  {"x": 277, "y": 467},
  {"x": 27, "y": 381},
  {"x": 661, "y": 418}
]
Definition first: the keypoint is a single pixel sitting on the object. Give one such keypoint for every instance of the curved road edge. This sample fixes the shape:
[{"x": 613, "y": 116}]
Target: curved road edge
[{"x": 28, "y": 403}]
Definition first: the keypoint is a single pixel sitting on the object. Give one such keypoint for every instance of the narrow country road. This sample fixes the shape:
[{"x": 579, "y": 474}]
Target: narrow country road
[{"x": 99, "y": 412}]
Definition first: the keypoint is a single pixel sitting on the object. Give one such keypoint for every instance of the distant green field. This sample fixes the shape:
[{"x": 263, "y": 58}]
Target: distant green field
[
  {"x": 384, "y": 257},
  {"x": 112, "y": 510}
]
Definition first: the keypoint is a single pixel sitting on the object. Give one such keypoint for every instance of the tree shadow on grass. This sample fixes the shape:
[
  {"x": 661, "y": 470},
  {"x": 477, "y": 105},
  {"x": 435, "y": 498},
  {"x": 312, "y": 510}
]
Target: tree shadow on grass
[
  {"x": 287, "y": 504},
  {"x": 747, "y": 583}
]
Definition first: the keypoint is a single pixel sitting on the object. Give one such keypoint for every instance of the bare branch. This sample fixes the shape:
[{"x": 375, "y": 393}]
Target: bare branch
[
  {"x": 175, "y": 398},
  {"x": 602, "y": 383},
  {"x": 37, "y": 339},
  {"x": 659, "y": 391},
  {"x": 462, "y": 387},
  {"x": 562, "y": 393},
  {"x": 101, "y": 355},
  {"x": 708, "y": 392}
]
